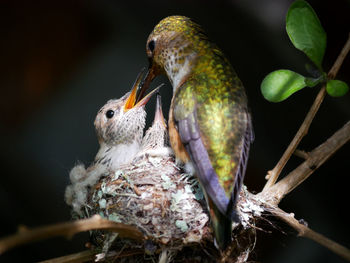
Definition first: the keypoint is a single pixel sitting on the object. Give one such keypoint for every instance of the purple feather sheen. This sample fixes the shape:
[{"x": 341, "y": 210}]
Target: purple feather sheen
[
  {"x": 190, "y": 136},
  {"x": 207, "y": 176},
  {"x": 205, "y": 172}
]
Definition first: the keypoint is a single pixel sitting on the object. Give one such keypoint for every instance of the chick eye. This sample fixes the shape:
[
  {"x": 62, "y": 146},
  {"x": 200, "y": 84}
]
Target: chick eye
[
  {"x": 151, "y": 45},
  {"x": 110, "y": 114}
]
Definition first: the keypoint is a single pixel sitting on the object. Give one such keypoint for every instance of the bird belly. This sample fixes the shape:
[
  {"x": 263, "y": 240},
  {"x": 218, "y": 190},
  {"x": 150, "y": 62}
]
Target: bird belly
[
  {"x": 175, "y": 141},
  {"x": 114, "y": 156}
]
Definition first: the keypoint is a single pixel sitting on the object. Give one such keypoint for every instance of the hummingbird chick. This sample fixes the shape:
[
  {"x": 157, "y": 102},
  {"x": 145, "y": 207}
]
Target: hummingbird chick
[
  {"x": 153, "y": 194},
  {"x": 156, "y": 139},
  {"x": 119, "y": 127},
  {"x": 209, "y": 121}
]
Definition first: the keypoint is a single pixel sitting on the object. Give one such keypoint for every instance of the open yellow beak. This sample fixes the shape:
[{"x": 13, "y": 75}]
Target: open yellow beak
[{"x": 136, "y": 97}]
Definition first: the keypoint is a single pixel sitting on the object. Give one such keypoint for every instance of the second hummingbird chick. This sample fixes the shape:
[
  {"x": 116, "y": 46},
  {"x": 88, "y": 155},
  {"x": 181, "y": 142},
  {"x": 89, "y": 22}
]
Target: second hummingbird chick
[
  {"x": 119, "y": 126},
  {"x": 156, "y": 139}
]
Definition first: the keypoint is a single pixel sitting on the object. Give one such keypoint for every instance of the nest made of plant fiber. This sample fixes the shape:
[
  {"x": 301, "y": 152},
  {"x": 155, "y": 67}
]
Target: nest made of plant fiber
[
  {"x": 167, "y": 205},
  {"x": 155, "y": 195}
]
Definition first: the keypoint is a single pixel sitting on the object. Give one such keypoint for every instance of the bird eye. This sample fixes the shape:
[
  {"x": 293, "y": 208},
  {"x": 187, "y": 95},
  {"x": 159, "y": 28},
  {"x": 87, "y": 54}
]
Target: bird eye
[
  {"x": 151, "y": 45},
  {"x": 110, "y": 114}
]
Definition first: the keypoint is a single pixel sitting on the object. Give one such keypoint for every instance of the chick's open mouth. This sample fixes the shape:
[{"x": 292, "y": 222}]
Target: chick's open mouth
[{"x": 138, "y": 96}]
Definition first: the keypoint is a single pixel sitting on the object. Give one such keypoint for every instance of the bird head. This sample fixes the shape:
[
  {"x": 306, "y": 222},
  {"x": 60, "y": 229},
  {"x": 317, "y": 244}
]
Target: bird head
[
  {"x": 173, "y": 48},
  {"x": 123, "y": 120},
  {"x": 156, "y": 136}
]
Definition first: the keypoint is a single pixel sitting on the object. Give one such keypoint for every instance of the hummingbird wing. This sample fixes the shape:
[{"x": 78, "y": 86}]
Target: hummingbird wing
[
  {"x": 247, "y": 139},
  {"x": 218, "y": 145},
  {"x": 190, "y": 137}
]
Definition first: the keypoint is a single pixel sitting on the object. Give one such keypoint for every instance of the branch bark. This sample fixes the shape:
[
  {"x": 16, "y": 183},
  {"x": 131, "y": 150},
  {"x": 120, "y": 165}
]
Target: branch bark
[
  {"x": 68, "y": 229},
  {"x": 306, "y": 232},
  {"x": 79, "y": 257},
  {"x": 315, "y": 159},
  {"x": 272, "y": 175}
]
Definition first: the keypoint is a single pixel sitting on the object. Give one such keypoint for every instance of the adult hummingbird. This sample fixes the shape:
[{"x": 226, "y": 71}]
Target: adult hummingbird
[{"x": 209, "y": 121}]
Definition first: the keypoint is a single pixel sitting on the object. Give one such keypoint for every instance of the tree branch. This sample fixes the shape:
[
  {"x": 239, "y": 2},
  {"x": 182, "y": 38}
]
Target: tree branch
[
  {"x": 68, "y": 229},
  {"x": 315, "y": 159},
  {"x": 303, "y": 130},
  {"x": 89, "y": 255},
  {"x": 79, "y": 257},
  {"x": 306, "y": 232},
  {"x": 340, "y": 59},
  {"x": 273, "y": 175}
]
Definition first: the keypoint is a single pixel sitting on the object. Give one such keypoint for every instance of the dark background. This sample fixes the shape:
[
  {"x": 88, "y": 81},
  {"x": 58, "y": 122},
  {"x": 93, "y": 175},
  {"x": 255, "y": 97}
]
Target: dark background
[{"x": 60, "y": 61}]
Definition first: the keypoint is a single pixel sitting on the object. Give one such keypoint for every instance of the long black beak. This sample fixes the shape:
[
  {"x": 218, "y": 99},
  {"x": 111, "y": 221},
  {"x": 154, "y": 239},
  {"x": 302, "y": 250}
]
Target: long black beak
[
  {"x": 150, "y": 75},
  {"x": 136, "y": 99}
]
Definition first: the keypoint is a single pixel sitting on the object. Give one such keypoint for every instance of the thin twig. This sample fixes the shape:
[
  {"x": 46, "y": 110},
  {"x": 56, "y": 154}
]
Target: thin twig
[
  {"x": 315, "y": 159},
  {"x": 89, "y": 255},
  {"x": 302, "y": 154},
  {"x": 68, "y": 229},
  {"x": 340, "y": 59},
  {"x": 306, "y": 232},
  {"x": 273, "y": 175},
  {"x": 303, "y": 130}
]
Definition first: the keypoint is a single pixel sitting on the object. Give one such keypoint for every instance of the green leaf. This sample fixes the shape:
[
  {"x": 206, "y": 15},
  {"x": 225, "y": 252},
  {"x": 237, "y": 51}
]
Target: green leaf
[
  {"x": 305, "y": 31},
  {"x": 337, "y": 88},
  {"x": 280, "y": 84}
]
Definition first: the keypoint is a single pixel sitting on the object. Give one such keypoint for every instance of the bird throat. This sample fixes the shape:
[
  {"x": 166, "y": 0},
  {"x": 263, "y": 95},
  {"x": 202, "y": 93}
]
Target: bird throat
[{"x": 178, "y": 66}]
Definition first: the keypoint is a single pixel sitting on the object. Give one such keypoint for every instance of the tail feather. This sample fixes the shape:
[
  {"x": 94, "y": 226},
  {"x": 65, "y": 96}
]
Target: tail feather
[{"x": 222, "y": 226}]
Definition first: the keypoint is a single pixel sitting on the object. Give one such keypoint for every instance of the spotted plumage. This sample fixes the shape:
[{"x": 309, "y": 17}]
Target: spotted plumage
[{"x": 121, "y": 135}]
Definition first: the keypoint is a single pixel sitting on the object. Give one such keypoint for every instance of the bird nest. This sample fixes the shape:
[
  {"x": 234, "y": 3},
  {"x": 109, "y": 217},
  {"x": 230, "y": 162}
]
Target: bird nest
[
  {"x": 155, "y": 196},
  {"x": 167, "y": 205}
]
